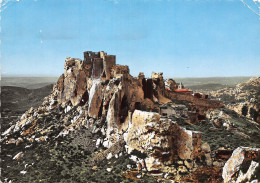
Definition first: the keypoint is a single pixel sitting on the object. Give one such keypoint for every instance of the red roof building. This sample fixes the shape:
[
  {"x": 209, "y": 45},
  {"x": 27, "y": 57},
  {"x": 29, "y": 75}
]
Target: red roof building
[{"x": 182, "y": 90}]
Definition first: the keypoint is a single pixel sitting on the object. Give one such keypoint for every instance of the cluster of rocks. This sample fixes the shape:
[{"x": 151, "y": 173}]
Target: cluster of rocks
[
  {"x": 125, "y": 111},
  {"x": 219, "y": 118}
]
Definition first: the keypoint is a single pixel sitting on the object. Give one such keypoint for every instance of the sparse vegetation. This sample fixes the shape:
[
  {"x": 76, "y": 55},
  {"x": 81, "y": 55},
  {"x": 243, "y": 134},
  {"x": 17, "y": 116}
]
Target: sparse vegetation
[
  {"x": 62, "y": 161},
  {"x": 220, "y": 137}
]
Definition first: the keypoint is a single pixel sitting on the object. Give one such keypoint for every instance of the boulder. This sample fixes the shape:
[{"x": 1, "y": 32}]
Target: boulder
[
  {"x": 242, "y": 165},
  {"x": 18, "y": 156},
  {"x": 162, "y": 140}
]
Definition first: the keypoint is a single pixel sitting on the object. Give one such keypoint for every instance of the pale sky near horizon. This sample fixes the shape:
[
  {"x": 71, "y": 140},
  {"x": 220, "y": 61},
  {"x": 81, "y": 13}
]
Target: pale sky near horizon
[{"x": 181, "y": 38}]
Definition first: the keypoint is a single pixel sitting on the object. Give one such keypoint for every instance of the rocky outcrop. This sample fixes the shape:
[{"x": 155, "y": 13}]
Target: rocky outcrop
[
  {"x": 127, "y": 113},
  {"x": 247, "y": 109},
  {"x": 170, "y": 84},
  {"x": 171, "y": 152},
  {"x": 219, "y": 118},
  {"x": 242, "y": 166},
  {"x": 108, "y": 92},
  {"x": 148, "y": 131}
]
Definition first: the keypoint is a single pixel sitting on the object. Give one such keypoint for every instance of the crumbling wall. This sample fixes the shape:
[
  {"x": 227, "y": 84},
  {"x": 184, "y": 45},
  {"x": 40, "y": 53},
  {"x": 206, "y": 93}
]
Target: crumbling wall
[
  {"x": 100, "y": 62},
  {"x": 97, "y": 68},
  {"x": 147, "y": 85},
  {"x": 109, "y": 62},
  {"x": 119, "y": 70},
  {"x": 196, "y": 101}
]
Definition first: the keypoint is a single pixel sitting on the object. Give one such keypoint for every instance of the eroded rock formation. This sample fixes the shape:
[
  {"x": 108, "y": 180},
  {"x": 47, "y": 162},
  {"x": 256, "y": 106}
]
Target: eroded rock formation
[
  {"x": 97, "y": 94},
  {"x": 243, "y": 166}
]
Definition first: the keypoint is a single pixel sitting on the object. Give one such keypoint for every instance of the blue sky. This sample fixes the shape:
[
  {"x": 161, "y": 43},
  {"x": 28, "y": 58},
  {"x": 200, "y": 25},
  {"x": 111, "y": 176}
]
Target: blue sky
[{"x": 181, "y": 38}]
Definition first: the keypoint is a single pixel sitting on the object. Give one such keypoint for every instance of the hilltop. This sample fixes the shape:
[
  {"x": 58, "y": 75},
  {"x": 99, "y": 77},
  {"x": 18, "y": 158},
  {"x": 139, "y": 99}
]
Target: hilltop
[{"x": 100, "y": 124}]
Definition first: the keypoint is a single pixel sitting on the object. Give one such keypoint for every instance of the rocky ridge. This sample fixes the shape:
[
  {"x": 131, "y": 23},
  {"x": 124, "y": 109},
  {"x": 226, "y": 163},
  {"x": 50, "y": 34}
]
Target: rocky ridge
[
  {"x": 137, "y": 116},
  {"x": 243, "y": 98}
]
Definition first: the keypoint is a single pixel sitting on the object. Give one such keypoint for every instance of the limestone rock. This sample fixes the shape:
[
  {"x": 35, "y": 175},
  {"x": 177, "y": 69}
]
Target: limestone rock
[
  {"x": 8, "y": 131},
  {"x": 251, "y": 173},
  {"x": 125, "y": 111},
  {"x": 248, "y": 109},
  {"x": 18, "y": 156},
  {"x": 163, "y": 140},
  {"x": 236, "y": 170}
]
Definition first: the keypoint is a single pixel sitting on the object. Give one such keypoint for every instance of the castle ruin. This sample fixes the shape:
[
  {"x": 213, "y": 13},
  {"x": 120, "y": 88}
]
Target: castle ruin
[{"x": 100, "y": 62}]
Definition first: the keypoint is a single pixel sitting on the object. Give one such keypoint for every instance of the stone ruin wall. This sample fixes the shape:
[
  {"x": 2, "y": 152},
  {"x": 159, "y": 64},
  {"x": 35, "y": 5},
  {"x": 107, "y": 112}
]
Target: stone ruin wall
[{"x": 101, "y": 63}]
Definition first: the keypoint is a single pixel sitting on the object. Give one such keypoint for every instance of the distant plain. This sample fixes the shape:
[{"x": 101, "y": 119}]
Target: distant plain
[
  {"x": 210, "y": 83},
  {"x": 28, "y": 82}
]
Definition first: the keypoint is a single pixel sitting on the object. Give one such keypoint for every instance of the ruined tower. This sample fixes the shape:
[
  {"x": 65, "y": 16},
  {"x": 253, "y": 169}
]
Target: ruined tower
[{"x": 101, "y": 63}]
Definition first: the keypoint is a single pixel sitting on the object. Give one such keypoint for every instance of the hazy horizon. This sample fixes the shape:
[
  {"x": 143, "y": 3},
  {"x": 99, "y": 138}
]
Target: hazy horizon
[{"x": 35, "y": 76}]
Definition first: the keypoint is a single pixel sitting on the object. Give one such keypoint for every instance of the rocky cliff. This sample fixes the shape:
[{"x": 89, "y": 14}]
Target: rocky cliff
[{"x": 135, "y": 116}]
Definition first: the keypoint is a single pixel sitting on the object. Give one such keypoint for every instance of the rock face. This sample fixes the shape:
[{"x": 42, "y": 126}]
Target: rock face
[
  {"x": 247, "y": 109},
  {"x": 242, "y": 166},
  {"x": 103, "y": 97},
  {"x": 163, "y": 141},
  {"x": 109, "y": 92}
]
